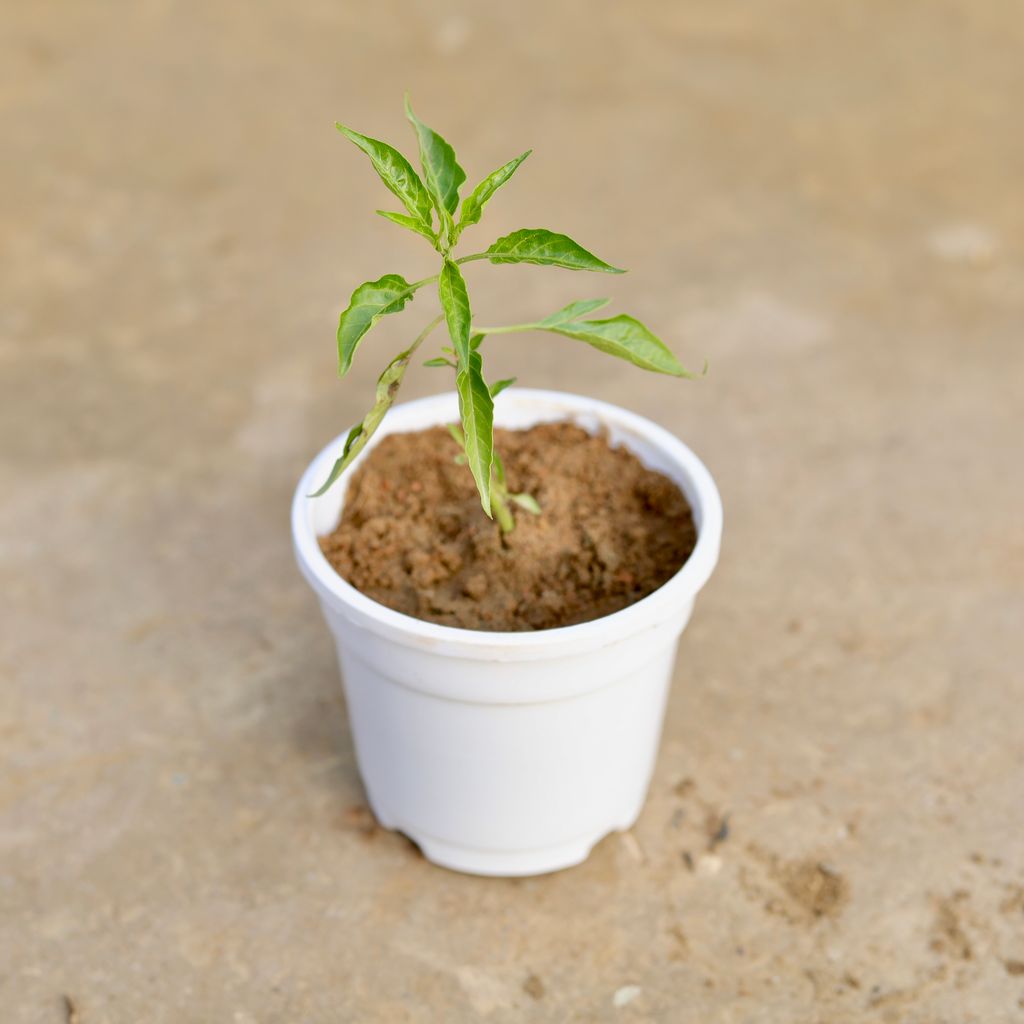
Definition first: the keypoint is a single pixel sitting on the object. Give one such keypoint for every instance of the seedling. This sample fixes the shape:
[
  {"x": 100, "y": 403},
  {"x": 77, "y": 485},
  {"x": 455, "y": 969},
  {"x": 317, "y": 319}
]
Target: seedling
[{"x": 430, "y": 203}]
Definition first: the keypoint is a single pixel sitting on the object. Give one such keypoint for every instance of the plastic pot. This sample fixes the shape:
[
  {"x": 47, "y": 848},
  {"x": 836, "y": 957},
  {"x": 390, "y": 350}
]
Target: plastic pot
[{"x": 509, "y": 753}]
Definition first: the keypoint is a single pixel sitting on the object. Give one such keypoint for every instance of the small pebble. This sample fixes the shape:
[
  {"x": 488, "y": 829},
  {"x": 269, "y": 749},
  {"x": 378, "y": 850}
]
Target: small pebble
[
  {"x": 632, "y": 847},
  {"x": 709, "y": 865},
  {"x": 625, "y": 995}
]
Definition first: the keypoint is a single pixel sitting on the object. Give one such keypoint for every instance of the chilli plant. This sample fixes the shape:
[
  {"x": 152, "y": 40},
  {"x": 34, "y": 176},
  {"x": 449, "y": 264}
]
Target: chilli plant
[{"x": 430, "y": 206}]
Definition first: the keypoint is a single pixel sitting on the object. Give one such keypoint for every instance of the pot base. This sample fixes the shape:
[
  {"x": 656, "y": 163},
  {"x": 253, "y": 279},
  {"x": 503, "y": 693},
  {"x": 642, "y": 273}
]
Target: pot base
[
  {"x": 509, "y": 863},
  {"x": 504, "y": 863}
]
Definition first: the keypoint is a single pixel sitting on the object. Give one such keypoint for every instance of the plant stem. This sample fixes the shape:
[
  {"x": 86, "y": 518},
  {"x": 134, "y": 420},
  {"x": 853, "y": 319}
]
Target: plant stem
[
  {"x": 416, "y": 285},
  {"x": 504, "y": 330},
  {"x": 501, "y": 510},
  {"x": 422, "y": 336}
]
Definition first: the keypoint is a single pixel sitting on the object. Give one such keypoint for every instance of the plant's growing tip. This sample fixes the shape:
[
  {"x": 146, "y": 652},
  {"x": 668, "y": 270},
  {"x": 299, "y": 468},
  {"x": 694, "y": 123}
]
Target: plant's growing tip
[{"x": 431, "y": 204}]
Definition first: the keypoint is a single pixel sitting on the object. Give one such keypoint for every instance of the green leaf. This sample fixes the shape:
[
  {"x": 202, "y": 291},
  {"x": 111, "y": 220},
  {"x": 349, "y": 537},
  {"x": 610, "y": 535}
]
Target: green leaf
[
  {"x": 369, "y": 302},
  {"x": 397, "y": 174},
  {"x": 409, "y": 222},
  {"x": 475, "y": 341},
  {"x": 353, "y": 436},
  {"x": 473, "y": 205},
  {"x": 546, "y": 248},
  {"x": 387, "y": 387},
  {"x": 441, "y": 170},
  {"x": 573, "y": 312},
  {"x": 451, "y": 289},
  {"x": 439, "y": 361},
  {"x": 627, "y": 338},
  {"x": 476, "y": 410},
  {"x": 498, "y": 386},
  {"x": 527, "y": 501}
]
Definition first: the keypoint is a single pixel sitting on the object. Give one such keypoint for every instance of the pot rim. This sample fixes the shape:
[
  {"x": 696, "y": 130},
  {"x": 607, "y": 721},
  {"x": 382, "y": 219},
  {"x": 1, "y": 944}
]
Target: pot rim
[{"x": 653, "y": 610}]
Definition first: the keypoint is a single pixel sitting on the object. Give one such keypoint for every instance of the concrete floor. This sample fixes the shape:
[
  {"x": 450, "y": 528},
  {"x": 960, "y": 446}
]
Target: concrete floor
[{"x": 823, "y": 200}]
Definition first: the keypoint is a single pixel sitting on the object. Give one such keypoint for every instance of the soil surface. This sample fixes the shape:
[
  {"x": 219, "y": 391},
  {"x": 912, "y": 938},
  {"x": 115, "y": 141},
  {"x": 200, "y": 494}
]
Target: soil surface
[{"x": 413, "y": 536}]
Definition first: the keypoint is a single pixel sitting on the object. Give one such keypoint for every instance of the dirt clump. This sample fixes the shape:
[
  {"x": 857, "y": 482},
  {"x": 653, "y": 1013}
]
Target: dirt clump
[
  {"x": 948, "y": 935},
  {"x": 818, "y": 889},
  {"x": 413, "y": 536}
]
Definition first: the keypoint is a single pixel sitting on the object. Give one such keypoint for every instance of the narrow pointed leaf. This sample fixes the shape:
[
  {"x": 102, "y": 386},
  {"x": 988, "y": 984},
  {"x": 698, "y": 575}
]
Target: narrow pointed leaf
[
  {"x": 498, "y": 386},
  {"x": 546, "y": 248},
  {"x": 527, "y": 501},
  {"x": 397, "y": 174},
  {"x": 473, "y": 205},
  {"x": 451, "y": 289},
  {"x": 369, "y": 302},
  {"x": 387, "y": 387},
  {"x": 439, "y": 361},
  {"x": 353, "y": 436},
  {"x": 627, "y": 338},
  {"x": 411, "y": 223},
  {"x": 475, "y": 341},
  {"x": 476, "y": 410},
  {"x": 573, "y": 312},
  {"x": 441, "y": 170}
]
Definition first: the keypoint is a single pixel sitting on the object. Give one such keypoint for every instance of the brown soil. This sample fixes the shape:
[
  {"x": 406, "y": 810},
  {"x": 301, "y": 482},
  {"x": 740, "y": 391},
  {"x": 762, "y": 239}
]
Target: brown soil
[{"x": 414, "y": 538}]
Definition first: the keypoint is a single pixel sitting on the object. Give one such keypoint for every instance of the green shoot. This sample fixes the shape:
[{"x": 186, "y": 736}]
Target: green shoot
[{"x": 430, "y": 204}]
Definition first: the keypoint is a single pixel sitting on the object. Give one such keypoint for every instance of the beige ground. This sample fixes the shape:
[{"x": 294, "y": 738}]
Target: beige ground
[{"x": 824, "y": 200}]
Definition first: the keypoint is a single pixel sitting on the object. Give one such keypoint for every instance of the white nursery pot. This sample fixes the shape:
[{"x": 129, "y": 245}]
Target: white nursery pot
[{"x": 509, "y": 753}]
